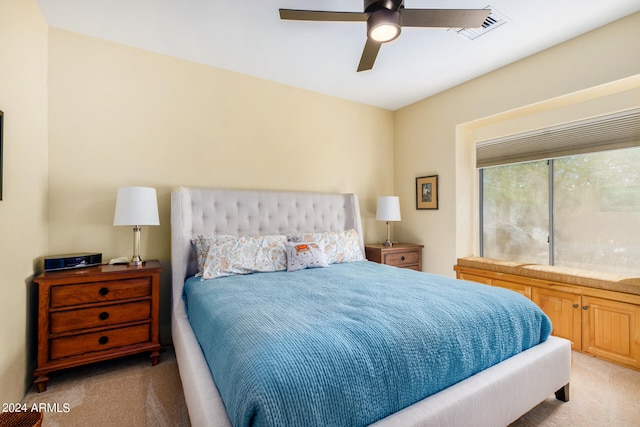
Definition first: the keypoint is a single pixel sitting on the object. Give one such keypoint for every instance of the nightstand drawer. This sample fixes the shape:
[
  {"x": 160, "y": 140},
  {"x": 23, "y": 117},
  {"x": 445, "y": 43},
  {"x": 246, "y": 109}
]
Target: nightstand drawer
[
  {"x": 403, "y": 255},
  {"x": 99, "y": 341},
  {"x": 86, "y": 318},
  {"x": 401, "y": 258},
  {"x": 87, "y": 293}
]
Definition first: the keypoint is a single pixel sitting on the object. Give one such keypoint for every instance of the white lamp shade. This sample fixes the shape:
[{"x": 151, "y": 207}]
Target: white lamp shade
[
  {"x": 136, "y": 206},
  {"x": 388, "y": 208}
]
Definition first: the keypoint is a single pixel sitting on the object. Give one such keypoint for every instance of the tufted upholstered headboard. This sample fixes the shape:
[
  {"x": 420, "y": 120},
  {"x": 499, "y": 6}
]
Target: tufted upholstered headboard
[{"x": 197, "y": 211}]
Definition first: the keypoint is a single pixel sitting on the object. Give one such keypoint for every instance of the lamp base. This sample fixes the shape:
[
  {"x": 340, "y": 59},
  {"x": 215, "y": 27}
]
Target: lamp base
[
  {"x": 136, "y": 261},
  {"x": 388, "y": 242}
]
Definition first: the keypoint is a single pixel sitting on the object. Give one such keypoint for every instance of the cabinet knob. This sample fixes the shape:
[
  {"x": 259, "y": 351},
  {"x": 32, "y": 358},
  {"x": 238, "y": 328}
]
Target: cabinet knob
[
  {"x": 402, "y": 258},
  {"x": 103, "y": 291},
  {"x": 575, "y": 305},
  {"x": 104, "y": 315},
  {"x": 103, "y": 340},
  {"x": 584, "y": 307}
]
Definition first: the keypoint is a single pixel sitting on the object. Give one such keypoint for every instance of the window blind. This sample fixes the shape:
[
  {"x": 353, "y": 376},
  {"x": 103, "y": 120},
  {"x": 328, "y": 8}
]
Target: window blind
[{"x": 608, "y": 132}]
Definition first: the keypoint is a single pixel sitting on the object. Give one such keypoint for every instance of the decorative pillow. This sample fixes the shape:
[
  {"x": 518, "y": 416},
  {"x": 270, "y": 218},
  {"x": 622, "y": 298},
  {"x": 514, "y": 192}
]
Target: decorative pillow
[
  {"x": 339, "y": 246},
  {"x": 304, "y": 255},
  {"x": 271, "y": 253},
  {"x": 200, "y": 252},
  {"x": 201, "y": 245},
  {"x": 231, "y": 255}
]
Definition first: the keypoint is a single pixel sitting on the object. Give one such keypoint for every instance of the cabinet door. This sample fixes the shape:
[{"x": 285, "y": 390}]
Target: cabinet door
[
  {"x": 564, "y": 311},
  {"x": 611, "y": 329},
  {"x": 516, "y": 287}
]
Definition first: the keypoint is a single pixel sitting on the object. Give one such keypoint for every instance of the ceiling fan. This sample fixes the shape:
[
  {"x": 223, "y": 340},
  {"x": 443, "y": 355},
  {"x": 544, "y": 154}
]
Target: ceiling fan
[{"x": 385, "y": 19}]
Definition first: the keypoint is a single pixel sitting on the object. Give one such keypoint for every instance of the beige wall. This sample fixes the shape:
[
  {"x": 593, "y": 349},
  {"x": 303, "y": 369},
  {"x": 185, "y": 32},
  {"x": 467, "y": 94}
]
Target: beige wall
[
  {"x": 435, "y": 136},
  {"x": 122, "y": 116},
  {"x": 23, "y": 216}
]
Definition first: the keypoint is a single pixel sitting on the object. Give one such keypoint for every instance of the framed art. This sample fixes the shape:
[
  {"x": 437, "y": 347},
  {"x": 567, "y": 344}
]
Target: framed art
[{"x": 427, "y": 192}]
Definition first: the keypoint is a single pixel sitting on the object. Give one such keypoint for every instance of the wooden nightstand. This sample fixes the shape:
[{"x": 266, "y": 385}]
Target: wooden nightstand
[
  {"x": 97, "y": 313},
  {"x": 402, "y": 255}
]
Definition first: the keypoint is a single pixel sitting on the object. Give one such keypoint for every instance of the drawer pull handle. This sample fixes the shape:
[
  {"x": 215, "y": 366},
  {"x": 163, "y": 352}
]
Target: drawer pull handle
[
  {"x": 104, "y": 291},
  {"x": 104, "y": 315},
  {"x": 103, "y": 340},
  {"x": 402, "y": 258}
]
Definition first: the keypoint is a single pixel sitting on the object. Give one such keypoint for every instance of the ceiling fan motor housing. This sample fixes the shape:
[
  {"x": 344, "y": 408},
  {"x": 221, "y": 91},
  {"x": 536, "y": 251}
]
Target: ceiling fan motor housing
[{"x": 373, "y": 5}]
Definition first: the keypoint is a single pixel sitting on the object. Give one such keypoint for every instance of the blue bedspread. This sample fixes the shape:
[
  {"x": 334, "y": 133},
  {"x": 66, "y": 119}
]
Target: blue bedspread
[{"x": 350, "y": 344}]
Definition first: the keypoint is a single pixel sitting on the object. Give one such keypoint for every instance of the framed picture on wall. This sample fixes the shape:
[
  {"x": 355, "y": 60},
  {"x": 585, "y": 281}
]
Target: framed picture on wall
[{"x": 427, "y": 192}]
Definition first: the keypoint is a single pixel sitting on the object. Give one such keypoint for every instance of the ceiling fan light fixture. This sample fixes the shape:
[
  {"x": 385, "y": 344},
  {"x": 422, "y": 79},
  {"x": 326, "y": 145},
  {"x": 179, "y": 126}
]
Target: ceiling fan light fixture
[{"x": 384, "y": 25}]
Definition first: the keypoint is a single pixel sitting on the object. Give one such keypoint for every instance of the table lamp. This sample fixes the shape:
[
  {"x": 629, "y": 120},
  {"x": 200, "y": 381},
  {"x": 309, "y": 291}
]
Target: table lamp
[
  {"x": 136, "y": 206},
  {"x": 388, "y": 210}
]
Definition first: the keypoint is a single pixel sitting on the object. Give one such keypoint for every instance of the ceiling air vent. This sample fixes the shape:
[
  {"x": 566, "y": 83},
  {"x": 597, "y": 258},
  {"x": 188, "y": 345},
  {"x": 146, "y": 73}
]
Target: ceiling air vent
[{"x": 494, "y": 20}]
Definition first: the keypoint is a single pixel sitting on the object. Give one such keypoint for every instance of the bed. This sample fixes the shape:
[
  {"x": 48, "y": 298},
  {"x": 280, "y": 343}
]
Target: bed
[{"x": 495, "y": 396}]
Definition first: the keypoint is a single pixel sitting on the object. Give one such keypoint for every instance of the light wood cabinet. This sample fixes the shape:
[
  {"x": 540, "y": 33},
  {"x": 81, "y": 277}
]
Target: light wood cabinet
[
  {"x": 602, "y": 323},
  {"x": 564, "y": 311},
  {"x": 465, "y": 275},
  {"x": 611, "y": 330},
  {"x": 516, "y": 287}
]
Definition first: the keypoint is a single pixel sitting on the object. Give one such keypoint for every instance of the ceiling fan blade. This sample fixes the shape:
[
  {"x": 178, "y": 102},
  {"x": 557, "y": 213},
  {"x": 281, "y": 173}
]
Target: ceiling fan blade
[
  {"x": 449, "y": 18},
  {"x": 319, "y": 15},
  {"x": 369, "y": 55}
]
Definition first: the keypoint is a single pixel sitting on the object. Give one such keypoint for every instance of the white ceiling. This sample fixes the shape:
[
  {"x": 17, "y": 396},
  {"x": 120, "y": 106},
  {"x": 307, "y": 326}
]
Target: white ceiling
[{"x": 248, "y": 37}]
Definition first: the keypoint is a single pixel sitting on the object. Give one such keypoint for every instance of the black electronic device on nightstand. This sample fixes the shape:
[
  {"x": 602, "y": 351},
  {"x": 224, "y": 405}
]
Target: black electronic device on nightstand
[{"x": 68, "y": 261}]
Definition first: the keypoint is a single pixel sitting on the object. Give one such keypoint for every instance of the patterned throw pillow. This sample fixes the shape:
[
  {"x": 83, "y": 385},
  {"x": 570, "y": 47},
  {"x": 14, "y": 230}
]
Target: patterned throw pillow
[
  {"x": 339, "y": 246},
  {"x": 271, "y": 255},
  {"x": 230, "y": 255},
  {"x": 301, "y": 255},
  {"x": 203, "y": 242}
]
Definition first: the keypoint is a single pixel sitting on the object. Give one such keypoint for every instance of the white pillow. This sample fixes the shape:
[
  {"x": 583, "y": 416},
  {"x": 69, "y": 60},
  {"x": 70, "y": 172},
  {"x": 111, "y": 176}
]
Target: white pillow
[
  {"x": 339, "y": 246},
  {"x": 301, "y": 255}
]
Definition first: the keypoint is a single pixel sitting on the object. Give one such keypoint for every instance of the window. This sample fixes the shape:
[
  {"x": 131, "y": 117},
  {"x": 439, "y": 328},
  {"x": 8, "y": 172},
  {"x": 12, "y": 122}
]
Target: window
[
  {"x": 579, "y": 211},
  {"x": 515, "y": 213}
]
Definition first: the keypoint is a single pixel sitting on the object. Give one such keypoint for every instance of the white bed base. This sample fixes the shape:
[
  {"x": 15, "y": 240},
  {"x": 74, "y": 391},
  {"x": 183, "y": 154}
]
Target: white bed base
[{"x": 494, "y": 397}]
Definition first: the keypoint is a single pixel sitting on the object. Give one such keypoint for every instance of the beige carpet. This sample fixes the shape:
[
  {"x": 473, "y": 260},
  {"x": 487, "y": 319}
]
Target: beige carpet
[
  {"x": 123, "y": 392},
  {"x": 602, "y": 394},
  {"x": 129, "y": 392}
]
